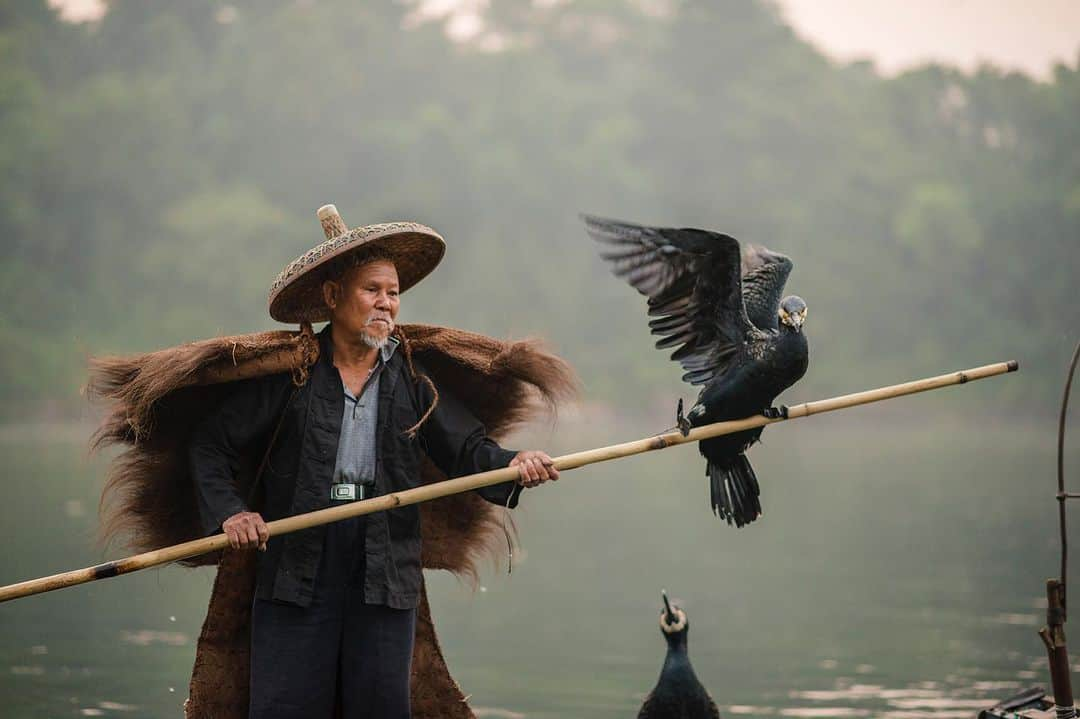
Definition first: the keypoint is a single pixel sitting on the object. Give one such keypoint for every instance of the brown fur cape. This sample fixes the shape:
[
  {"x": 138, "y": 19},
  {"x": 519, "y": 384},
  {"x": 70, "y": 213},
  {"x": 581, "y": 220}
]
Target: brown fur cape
[{"x": 155, "y": 399}]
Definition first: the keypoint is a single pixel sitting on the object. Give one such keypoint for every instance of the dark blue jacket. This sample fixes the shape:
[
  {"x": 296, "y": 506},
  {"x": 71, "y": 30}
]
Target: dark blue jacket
[{"x": 297, "y": 477}]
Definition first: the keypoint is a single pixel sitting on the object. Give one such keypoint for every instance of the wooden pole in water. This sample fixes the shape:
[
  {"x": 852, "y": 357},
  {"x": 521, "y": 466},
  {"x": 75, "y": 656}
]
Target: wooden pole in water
[
  {"x": 1053, "y": 634},
  {"x": 483, "y": 479}
]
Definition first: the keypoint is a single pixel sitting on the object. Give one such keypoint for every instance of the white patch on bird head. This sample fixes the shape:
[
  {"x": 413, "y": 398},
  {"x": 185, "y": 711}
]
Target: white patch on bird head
[{"x": 675, "y": 627}]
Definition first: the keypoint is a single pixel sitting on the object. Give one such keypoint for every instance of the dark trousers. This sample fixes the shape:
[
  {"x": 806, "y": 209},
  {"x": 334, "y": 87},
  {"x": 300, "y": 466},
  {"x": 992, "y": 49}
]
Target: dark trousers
[{"x": 338, "y": 650}]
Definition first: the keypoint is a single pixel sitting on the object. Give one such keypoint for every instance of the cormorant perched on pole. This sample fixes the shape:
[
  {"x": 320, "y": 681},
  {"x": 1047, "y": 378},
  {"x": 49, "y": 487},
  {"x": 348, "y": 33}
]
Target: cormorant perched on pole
[
  {"x": 720, "y": 303},
  {"x": 678, "y": 693}
]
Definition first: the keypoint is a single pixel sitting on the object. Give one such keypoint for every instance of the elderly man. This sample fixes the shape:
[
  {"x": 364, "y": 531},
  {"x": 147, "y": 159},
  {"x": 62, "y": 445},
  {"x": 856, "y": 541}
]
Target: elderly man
[{"x": 333, "y": 618}]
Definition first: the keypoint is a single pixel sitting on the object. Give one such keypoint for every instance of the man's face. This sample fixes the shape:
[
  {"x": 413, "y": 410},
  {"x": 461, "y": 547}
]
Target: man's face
[{"x": 364, "y": 304}]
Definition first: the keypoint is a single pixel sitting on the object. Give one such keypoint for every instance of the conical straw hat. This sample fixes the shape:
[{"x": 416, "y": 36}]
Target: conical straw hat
[{"x": 296, "y": 295}]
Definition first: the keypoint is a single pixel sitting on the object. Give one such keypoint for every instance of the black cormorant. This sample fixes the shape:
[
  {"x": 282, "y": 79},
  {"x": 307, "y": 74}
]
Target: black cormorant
[
  {"x": 678, "y": 693},
  {"x": 721, "y": 305}
]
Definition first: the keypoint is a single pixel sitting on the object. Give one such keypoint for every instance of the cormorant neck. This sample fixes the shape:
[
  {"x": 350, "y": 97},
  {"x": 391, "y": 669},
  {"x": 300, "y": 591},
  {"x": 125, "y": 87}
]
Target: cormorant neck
[{"x": 676, "y": 642}]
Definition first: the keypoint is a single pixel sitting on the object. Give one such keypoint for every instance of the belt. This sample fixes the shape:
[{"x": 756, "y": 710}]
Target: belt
[{"x": 351, "y": 492}]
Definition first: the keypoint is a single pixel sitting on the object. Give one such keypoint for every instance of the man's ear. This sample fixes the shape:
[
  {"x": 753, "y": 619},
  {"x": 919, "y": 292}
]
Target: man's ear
[{"x": 330, "y": 292}]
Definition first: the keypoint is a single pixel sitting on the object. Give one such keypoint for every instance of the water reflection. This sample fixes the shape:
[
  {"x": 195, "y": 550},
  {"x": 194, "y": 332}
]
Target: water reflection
[
  {"x": 894, "y": 579},
  {"x": 146, "y": 637},
  {"x": 107, "y": 708}
]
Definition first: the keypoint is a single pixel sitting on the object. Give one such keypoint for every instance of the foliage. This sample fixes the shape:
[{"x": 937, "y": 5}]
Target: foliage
[{"x": 158, "y": 167}]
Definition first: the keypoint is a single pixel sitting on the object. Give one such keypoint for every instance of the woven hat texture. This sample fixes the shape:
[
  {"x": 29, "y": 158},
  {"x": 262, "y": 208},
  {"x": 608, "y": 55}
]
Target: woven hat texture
[{"x": 296, "y": 295}]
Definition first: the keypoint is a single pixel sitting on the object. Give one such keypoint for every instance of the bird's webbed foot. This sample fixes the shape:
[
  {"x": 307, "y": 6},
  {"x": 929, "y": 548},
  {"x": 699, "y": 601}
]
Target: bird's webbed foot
[
  {"x": 680, "y": 421},
  {"x": 780, "y": 412}
]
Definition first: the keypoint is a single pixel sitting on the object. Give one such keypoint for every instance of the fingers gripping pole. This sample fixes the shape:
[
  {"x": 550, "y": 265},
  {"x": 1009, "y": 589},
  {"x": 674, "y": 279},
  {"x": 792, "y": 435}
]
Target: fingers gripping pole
[{"x": 429, "y": 492}]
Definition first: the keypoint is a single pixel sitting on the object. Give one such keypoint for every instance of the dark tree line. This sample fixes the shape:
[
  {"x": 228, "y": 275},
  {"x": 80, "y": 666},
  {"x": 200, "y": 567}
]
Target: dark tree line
[{"x": 158, "y": 168}]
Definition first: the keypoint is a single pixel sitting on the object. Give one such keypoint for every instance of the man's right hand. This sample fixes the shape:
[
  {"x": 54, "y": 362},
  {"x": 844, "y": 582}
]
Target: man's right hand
[{"x": 246, "y": 530}]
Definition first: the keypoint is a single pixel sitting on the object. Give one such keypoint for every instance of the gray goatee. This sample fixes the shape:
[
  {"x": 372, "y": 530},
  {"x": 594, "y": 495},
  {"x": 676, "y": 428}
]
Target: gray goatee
[{"x": 377, "y": 343}]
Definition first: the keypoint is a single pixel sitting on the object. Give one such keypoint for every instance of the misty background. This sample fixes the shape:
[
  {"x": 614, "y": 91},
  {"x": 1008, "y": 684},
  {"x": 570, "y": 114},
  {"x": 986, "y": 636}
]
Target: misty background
[{"x": 161, "y": 164}]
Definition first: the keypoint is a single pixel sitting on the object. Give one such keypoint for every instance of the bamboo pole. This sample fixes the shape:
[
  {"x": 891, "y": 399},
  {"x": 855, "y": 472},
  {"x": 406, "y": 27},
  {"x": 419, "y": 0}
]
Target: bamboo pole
[{"x": 483, "y": 479}]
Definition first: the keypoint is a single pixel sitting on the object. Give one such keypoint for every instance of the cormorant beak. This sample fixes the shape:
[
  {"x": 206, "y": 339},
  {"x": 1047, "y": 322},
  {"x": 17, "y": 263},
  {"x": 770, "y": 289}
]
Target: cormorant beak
[
  {"x": 797, "y": 320},
  {"x": 669, "y": 615}
]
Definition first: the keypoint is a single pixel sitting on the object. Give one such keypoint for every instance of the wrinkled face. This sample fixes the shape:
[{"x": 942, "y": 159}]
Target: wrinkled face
[
  {"x": 364, "y": 303},
  {"x": 793, "y": 312}
]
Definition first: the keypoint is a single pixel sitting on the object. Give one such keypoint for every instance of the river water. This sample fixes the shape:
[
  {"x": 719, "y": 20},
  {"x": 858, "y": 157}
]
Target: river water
[{"x": 898, "y": 572}]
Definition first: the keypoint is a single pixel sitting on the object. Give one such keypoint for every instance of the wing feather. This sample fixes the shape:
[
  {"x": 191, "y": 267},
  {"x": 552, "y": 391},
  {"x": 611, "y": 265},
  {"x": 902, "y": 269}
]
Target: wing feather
[
  {"x": 764, "y": 274},
  {"x": 663, "y": 325},
  {"x": 692, "y": 279}
]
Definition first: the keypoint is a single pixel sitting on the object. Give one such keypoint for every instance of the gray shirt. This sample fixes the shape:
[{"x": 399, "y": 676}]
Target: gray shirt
[{"x": 356, "y": 448}]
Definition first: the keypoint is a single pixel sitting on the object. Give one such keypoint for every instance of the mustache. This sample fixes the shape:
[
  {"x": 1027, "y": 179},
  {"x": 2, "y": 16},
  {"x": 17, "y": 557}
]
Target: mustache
[{"x": 378, "y": 315}]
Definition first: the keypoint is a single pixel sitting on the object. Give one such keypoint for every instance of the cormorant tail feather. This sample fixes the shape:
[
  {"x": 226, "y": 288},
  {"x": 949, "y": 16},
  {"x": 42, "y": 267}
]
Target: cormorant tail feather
[{"x": 734, "y": 490}]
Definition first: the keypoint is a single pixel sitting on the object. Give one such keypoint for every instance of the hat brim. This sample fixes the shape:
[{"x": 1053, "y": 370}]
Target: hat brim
[{"x": 296, "y": 295}]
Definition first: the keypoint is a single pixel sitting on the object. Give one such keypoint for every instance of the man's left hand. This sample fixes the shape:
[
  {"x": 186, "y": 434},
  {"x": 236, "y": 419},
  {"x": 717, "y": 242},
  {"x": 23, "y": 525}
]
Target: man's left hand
[{"x": 534, "y": 467}]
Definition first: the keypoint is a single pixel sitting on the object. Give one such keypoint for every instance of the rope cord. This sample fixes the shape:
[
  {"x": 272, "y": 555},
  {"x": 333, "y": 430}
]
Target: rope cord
[
  {"x": 411, "y": 432},
  {"x": 407, "y": 348}
]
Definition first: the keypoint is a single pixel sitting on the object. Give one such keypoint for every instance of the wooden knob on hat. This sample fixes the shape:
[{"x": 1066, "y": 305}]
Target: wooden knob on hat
[{"x": 332, "y": 223}]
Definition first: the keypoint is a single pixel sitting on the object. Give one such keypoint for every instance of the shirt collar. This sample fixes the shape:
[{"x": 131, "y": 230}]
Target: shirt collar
[
  {"x": 385, "y": 353},
  {"x": 389, "y": 349}
]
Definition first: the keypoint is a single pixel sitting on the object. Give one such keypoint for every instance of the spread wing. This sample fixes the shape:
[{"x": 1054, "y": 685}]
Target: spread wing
[
  {"x": 764, "y": 274},
  {"x": 692, "y": 280}
]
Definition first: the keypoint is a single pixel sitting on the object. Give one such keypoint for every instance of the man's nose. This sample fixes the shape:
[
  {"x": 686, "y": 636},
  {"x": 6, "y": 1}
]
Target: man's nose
[{"x": 382, "y": 301}]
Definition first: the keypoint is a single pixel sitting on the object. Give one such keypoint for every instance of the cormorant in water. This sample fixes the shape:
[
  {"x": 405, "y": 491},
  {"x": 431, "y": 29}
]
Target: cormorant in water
[
  {"x": 722, "y": 304},
  {"x": 678, "y": 693}
]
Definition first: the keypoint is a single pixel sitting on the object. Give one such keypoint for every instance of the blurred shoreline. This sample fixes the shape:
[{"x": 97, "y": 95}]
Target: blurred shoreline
[{"x": 594, "y": 423}]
